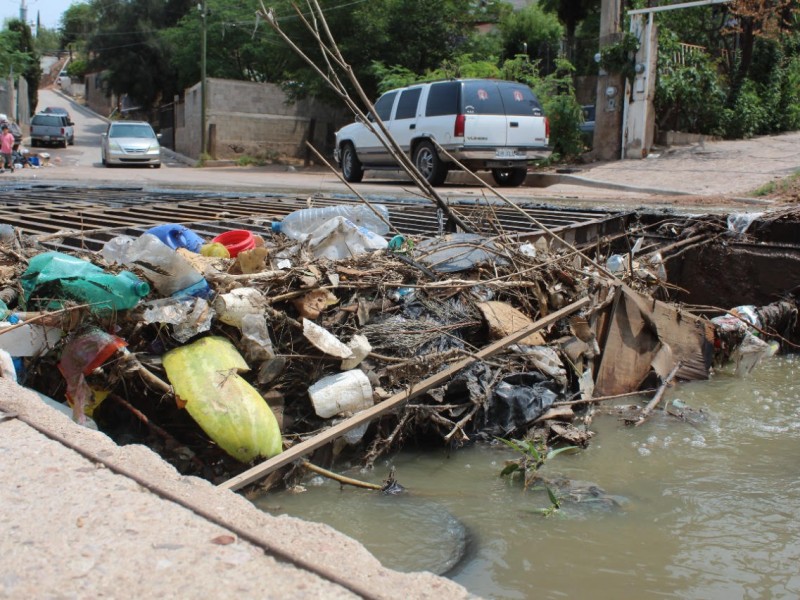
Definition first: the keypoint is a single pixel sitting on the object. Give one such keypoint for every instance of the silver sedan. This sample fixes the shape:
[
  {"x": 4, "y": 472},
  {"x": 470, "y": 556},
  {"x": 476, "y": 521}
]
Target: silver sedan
[{"x": 130, "y": 143}]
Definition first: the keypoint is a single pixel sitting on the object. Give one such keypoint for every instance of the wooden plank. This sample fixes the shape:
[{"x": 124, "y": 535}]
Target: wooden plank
[{"x": 365, "y": 416}]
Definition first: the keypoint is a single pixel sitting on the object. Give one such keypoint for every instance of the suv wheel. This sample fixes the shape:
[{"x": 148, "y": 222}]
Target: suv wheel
[
  {"x": 429, "y": 164},
  {"x": 352, "y": 171},
  {"x": 510, "y": 177}
]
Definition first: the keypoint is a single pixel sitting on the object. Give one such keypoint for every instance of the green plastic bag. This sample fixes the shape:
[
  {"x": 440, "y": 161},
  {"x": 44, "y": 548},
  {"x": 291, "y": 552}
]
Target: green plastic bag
[{"x": 205, "y": 377}]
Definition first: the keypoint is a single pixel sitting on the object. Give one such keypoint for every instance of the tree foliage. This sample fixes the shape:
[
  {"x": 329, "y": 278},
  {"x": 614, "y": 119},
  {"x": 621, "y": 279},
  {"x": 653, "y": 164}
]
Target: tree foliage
[
  {"x": 19, "y": 57},
  {"x": 128, "y": 46},
  {"x": 533, "y": 32}
]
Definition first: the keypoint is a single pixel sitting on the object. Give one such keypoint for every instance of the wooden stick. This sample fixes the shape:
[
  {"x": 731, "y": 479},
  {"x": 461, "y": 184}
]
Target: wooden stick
[
  {"x": 132, "y": 362},
  {"x": 602, "y": 398},
  {"x": 657, "y": 398},
  {"x": 340, "y": 478},
  {"x": 365, "y": 416}
]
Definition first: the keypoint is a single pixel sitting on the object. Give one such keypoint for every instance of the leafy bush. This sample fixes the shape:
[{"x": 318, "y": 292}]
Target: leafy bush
[
  {"x": 690, "y": 91},
  {"x": 747, "y": 116},
  {"x": 77, "y": 68},
  {"x": 557, "y": 95}
]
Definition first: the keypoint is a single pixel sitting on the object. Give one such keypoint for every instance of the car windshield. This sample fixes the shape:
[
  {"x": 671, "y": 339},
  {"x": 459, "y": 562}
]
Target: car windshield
[
  {"x": 47, "y": 121},
  {"x": 131, "y": 131}
]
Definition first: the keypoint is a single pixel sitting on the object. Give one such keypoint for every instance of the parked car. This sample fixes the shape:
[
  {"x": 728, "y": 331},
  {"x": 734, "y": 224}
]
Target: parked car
[
  {"x": 52, "y": 129},
  {"x": 130, "y": 143},
  {"x": 482, "y": 123},
  {"x": 587, "y": 127},
  {"x": 57, "y": 110}
]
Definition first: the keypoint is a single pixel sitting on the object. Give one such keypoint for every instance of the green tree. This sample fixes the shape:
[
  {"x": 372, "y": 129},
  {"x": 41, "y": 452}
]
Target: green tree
[
  {"x": 77, "y": 24},
  {"x": 128, "y": 46},
  {"x": 571, "y": 13},
  {"x": 533, "y": 32},
  {"x": 20, "y": 58},
  {"x": 232, "y": 49}
]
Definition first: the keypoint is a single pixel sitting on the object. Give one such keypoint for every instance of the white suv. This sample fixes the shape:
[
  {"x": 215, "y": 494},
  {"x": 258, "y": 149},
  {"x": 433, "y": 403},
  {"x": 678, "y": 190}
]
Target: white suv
[{"x": 482, "y": 123}]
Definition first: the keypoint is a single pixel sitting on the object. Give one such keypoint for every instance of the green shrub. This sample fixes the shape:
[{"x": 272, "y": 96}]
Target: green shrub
[{"x": 747, "y": 116}]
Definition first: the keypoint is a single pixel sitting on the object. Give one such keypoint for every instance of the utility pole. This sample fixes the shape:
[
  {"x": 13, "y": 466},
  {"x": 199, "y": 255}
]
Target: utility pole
[
  {"x": 203, "y": 141},
  {"x": 607, "y": 143}
]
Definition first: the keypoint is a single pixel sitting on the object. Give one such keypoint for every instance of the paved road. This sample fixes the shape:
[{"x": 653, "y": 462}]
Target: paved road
[{"x": 713, "y": 173}]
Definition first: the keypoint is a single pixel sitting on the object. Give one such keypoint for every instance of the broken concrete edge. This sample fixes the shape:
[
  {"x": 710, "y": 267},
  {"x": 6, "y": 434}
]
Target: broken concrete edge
[{"x": 344, "y": 561}]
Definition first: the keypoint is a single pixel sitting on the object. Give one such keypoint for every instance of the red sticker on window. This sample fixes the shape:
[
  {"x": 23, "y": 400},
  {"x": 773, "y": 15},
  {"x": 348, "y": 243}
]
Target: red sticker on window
[
  {"x": 517, "y": 95},
  {"x": 483, "y": 95}
]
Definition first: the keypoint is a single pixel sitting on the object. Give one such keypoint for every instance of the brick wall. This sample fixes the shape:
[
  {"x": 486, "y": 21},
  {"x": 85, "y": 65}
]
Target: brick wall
[{"x": 253, "y": 119}]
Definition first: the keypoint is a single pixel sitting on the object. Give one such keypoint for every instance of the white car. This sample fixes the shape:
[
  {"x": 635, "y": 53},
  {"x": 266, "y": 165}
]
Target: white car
[
  {"x": 130, "y": 143},
  {"x": 482, "y": 123}
]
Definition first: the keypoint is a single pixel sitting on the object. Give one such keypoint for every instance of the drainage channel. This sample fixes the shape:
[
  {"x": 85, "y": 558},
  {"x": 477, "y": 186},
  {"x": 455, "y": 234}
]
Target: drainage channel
[{"x": 84, "y": 218}]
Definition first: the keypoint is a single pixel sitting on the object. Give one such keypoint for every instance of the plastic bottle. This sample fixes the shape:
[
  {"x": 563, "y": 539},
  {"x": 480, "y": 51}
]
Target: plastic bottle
[
  {"x": 615, "y": 263},
  {"x": 168, "y": 271},
  {"x": 299, "y": 224},
  {"x": 53, "y": 277},
  {"x": 177, "y": 236}
]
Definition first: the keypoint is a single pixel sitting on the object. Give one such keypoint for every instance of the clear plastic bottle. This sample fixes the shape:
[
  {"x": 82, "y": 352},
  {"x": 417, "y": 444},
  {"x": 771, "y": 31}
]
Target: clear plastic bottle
[
  {"x": 53, "y": 277},
  {"x": 299, "y": 224},
  {"x": 168, "y": 271}
]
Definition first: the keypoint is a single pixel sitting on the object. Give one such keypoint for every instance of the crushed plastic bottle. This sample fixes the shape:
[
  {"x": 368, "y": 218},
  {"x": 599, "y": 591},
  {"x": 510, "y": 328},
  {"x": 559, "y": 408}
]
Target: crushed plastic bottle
[
  {"x": 301, "y": 223},
  {"x": 53, "y": 277},
  {"x": 167, "y": 270},
  {"x": 615, "y": 263}
]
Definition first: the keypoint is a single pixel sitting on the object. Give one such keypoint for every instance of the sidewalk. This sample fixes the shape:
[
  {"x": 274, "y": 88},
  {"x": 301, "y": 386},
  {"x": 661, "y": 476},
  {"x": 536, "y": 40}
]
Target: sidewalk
[{"x": 85, "y": 518}]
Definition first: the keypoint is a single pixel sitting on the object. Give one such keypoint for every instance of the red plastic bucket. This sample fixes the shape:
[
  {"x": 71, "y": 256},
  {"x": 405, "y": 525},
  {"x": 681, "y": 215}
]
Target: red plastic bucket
[{"x": 236, "y": 240}]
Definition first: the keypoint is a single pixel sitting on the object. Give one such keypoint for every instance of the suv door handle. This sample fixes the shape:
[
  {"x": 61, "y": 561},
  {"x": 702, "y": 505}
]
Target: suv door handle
[
  {"x": 514, "y": 124},
  {"x": 412, "y": 126}
]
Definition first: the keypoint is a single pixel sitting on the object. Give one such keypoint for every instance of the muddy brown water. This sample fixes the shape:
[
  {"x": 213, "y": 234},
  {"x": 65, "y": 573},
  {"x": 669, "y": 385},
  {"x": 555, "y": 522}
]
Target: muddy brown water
[{"x": 704, "y": 510}]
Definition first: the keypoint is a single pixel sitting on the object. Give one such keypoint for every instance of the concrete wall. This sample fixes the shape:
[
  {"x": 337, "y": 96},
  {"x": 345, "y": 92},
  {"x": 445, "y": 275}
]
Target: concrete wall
[
  {"x": 253, "y": 119},
  {"x": 95, "y": 94},
  {"x": 14, "y": 102}
]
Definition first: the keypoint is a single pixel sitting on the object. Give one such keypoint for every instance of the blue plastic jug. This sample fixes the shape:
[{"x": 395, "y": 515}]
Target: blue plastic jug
[{"x": 177, "y": 236}]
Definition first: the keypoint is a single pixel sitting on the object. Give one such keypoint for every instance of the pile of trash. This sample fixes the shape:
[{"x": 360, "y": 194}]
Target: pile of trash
[{"x": 221, "y": 353}]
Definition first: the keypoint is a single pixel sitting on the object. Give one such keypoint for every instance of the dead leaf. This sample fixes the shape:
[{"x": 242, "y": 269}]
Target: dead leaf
[
  {"x": 313, "y": 303},
  {"x": 224, "y": 540},
  {"x": 253, "y": 261}
]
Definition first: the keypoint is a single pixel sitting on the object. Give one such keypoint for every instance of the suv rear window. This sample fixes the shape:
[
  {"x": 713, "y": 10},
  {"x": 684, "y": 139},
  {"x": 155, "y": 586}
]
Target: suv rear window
[
  {"x": 47, "y": 120},
  {"x": 519, "y": 100},
  {"x": 482, "y": 98}
]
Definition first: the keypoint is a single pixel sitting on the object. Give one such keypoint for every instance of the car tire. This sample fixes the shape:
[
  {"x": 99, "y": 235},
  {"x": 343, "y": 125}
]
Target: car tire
[
  {"x": 510, "y": 177},
  {"x": 65, "y": 143},
  {"x": 352, "y": 170},
  {"x": 428, "y": 163}
]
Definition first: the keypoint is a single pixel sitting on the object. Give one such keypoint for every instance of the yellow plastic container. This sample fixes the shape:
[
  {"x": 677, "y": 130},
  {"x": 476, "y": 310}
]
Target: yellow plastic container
[{"x": 205, "y": 377}]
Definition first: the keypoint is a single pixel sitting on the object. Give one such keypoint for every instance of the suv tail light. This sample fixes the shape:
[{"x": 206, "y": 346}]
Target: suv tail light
[
  {"x": 63, "y": 131},
  {"x": 547, "y": 128},
  {"x": 458, "y": 130}
]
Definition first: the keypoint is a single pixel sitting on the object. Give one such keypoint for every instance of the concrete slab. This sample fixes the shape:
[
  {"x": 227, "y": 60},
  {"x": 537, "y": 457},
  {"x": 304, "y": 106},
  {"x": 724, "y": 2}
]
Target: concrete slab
[{"x": 84, "y": 518}]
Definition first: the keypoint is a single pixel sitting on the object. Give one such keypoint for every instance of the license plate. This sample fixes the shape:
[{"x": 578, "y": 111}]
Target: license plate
[{"x": 508, "y": 153}]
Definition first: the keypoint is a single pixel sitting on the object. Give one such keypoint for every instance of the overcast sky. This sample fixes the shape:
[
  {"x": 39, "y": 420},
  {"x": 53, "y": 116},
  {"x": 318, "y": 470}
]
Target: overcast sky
[{"x": 49, "y": 11}]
